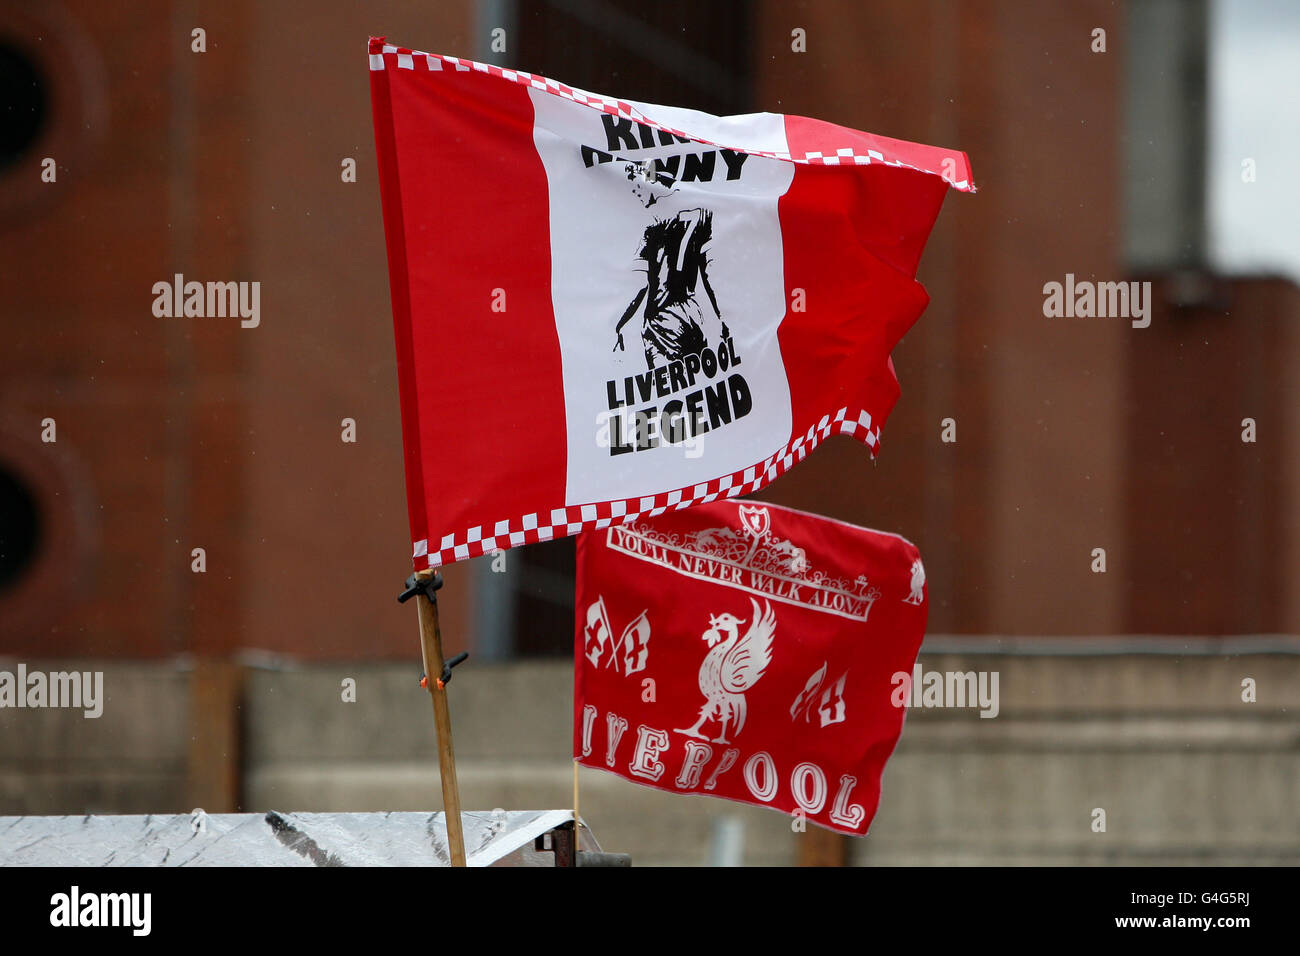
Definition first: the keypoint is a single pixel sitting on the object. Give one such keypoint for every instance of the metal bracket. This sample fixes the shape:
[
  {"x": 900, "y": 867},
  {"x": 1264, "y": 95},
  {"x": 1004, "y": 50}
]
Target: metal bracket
[
  {"x": 564, "y": 844},
  {"x": 415, "y": 584},
  {"x": 445, "y": 677}
]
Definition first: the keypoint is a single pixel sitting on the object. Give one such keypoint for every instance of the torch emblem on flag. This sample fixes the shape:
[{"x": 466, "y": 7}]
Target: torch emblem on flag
[{"x": 831, "y": 709}]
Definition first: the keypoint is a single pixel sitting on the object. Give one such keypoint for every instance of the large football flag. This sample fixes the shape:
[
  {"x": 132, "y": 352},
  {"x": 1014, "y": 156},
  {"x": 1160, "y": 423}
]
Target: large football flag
[
  {"x": 607, "y": 308},
  {"x": 747, "y": 651}
]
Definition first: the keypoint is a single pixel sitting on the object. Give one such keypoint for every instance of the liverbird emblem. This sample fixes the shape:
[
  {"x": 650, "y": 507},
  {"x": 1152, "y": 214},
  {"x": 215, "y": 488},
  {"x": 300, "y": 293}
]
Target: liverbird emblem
[
  {"x": 917, "y": 594},
  {"x": 733, "y": 666},
  {"x": 757, "y": 523}
]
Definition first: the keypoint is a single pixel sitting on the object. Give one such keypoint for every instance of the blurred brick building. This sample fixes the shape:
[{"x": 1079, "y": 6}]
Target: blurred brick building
[{"x": 176, "y": 434}]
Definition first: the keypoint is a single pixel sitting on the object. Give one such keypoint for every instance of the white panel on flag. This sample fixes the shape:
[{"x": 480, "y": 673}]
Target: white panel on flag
[{"x": 655, "y": 245}]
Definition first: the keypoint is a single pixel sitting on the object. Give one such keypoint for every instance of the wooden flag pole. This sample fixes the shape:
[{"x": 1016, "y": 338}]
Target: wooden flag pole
[{"x": 424, "y": 586}]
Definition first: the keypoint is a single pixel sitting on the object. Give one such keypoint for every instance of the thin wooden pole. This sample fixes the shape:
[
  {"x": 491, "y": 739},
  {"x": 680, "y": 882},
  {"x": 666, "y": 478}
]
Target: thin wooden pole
[
  {"x": 577, "y": 827},
  {"x": 818, "y": 847},
  {"x": 431, "y": 650},
  {"x": 212, "y": 777}
]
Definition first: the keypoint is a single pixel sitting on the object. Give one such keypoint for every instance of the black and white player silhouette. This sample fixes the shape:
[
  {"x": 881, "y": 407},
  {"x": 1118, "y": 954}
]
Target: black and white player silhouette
[{"x": 676, "y": 320}]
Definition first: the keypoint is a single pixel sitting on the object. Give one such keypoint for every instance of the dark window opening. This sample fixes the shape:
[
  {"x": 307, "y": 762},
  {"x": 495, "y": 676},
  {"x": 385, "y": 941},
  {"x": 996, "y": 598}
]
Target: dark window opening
[
  {"x": 20, "y": 529},
  {"x": 23, "y": 104}
]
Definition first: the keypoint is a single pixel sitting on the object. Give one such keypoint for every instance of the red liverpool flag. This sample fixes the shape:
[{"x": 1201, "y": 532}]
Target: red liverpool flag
[
  {"x": 747, "y": 651},
  {"x": 606, "y": 308}
]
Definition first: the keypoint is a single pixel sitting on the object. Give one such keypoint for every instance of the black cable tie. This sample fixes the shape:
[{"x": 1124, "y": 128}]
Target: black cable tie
[
  {"x": 448, "y": 665},
  {"x": 418, "y": 585},
  {"x": 460, "y": 658}
]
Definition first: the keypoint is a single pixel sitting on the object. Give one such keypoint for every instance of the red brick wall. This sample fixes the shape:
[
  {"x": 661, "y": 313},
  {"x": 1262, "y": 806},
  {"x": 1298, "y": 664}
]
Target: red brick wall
[{"x": 183, "y": 433}]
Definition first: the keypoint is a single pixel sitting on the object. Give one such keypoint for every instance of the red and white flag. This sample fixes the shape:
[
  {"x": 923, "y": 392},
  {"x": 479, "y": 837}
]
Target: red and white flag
[
  {"x": 607, "y": 308},
  {"x": 747, "y": 651}
]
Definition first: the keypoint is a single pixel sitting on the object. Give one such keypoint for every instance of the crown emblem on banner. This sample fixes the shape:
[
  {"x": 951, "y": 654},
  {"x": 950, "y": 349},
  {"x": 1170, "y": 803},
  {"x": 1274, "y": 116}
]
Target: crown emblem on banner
[{"x": 749, "y": 556}]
